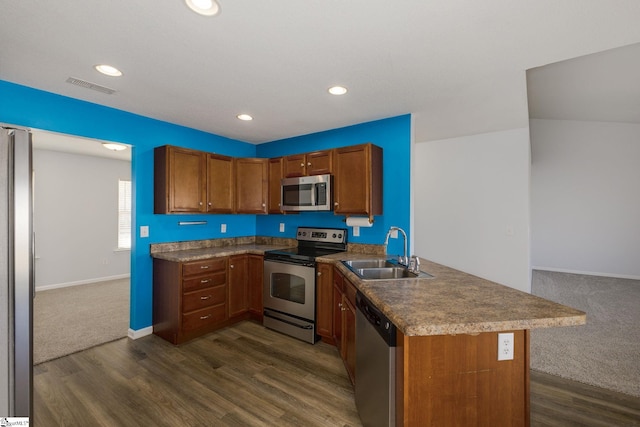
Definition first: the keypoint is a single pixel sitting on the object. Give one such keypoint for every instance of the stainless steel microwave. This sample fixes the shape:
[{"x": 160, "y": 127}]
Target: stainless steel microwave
[{"x": 306, "y": 193}]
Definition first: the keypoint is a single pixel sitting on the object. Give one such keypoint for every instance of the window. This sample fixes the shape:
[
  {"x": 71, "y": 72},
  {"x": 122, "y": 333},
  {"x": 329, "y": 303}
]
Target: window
[{"x": 124, "y": 214}]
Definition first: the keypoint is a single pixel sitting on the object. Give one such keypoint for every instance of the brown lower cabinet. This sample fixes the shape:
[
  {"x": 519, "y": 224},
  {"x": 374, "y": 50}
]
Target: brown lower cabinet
[
  {"x": 191, "y": 299},
  {"x": 457, "y": 380},
  {"x": 443, "y": 380},
  {"x": 344, "y": 321},
  {"x": 324, "y": 302}
]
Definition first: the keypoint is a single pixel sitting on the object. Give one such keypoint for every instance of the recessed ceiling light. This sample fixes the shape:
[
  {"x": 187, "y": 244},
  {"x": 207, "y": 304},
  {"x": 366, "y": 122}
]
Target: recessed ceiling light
[
  {"x": 204, "y": 7},
  {"x": 244, "y": 117},
  {"x": 337, "y": 90},
  {"x": 114, "y": 147},
  {"x": 108, "y": 70}
]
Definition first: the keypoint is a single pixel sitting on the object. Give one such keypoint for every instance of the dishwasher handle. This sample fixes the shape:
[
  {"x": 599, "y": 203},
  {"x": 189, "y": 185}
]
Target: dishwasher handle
[{"x": 381, "y": 323}]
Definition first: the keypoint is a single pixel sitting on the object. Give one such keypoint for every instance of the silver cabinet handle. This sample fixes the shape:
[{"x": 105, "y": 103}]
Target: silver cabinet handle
[
  {"x": 335, "y": 203},
  {"x": 204, "y": 267},
  {"x": 205, "y": 317},
  {"x": 200, "y": 203},
  {"x": 231, "y": 266},
  {"x": 301, "y": 165},
  {"x": 204, "y": 298},
  {"x": 309, "y": 164},
  {"x": 205, "y": 280},
  {"x": 319, "y": 273},
  {"x": 209, "y": 203}
]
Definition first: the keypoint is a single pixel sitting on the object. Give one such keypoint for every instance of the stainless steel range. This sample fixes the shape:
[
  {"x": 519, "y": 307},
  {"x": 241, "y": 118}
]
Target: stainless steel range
[{"x": 290, "y": 281}]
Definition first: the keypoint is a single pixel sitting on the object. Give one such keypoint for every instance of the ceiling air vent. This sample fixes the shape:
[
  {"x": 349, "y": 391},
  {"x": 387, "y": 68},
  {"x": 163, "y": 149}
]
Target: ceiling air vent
[{"x": 88, "y": 85}]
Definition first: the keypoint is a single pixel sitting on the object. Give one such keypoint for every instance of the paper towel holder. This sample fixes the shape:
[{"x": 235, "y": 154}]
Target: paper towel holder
[{"x": 369, "y": 218}]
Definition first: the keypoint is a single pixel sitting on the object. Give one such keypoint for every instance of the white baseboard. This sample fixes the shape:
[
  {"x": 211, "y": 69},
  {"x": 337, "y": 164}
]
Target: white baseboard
[
  {"x": 81, "y": 282},
  {"x": 587, "y": 273},
  {"x": 139, "y": 333}
]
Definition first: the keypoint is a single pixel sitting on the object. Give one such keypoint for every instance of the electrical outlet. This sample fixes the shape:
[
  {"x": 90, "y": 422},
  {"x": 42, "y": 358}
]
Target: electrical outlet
[
  {"x": 505, "y": 346},
  {"x": 223, "y": 228},
  {"x": 356, "y": 231},
  {"x": 282, "y": 227}
]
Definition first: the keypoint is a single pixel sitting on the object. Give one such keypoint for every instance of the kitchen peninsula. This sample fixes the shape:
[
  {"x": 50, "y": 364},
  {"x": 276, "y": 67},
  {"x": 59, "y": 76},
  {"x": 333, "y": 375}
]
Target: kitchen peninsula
[{"x": 447, "y": 367}]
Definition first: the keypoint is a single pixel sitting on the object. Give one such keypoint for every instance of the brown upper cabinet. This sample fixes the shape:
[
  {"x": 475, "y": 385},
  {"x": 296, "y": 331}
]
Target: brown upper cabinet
[
  {"x": 191, "y": 181},
  {"x": 251, "y": 185},
  {"x": 316, "y": 163},
  {"x": 179, "y": 180},
  {"x": 220, "y": 184},
  {"x": 358, "y": 180},
  {"x": 276, "y": 173}
]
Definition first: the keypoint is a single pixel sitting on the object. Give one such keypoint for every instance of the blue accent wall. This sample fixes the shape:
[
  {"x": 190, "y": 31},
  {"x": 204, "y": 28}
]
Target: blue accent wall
[
  {"x": 23, "y": 106},
  {"x": 394, "y": 136},
  {"x": 28, "y": 107}
]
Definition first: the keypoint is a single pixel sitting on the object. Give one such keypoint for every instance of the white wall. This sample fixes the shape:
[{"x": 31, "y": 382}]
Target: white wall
[
  {"x": 471, "y": 205},
  {"x": 76, "y": 217},
  {"x": 585, "y": 215}
]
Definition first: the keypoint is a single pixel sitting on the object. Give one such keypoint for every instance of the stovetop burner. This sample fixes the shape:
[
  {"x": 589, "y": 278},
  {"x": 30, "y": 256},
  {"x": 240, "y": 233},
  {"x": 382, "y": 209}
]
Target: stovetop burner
[{"x": 312, "y": 243}]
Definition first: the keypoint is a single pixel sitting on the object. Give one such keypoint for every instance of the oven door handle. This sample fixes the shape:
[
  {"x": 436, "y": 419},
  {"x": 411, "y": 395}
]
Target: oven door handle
[
  {"x": 287, "y": 261},
  {"x": 267, "y": 313}
]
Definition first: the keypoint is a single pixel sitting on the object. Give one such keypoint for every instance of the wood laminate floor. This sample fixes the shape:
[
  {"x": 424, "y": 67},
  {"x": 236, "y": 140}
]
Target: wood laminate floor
[{"x": 247, "y": 375}]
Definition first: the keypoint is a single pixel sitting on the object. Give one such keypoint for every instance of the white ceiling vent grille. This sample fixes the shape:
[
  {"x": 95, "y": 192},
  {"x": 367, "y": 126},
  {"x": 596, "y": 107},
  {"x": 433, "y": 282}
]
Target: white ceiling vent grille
[{"x": 88, "y": 85}]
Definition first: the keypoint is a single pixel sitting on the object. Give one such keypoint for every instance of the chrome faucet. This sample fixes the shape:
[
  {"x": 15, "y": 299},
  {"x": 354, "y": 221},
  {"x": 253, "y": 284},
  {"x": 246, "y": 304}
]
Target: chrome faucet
[{"x": 402, "y": 259}]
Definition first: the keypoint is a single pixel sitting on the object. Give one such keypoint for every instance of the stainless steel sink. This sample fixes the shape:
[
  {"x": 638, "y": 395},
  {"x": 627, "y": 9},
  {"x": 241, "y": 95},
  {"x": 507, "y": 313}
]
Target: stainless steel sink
[
  {"x": 381, "y": 269},
  {"x": 368, "y": 263},
  {"x": 384, "y": 273}
]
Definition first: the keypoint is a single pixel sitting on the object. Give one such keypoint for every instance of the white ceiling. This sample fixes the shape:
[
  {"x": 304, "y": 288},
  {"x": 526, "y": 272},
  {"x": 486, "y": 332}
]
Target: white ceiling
[
  {"x": 51, "y": 141},
  {"x": 275, "y": 59}
]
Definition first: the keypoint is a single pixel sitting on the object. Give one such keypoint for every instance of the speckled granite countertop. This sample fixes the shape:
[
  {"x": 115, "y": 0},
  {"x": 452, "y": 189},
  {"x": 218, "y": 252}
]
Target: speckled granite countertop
[
  {"x": 450, "y": 303},
  {"x": 186, "y": 255},
  {"x": 454, "y": 302}
]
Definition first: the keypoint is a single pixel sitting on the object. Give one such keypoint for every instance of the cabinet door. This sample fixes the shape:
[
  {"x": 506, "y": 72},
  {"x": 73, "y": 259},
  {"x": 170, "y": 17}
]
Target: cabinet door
[
  {"x": 294, "y": 165},
  {"x": 349, "y": 337},
  {"x": 324, "y": 300},
  {"x": 179, "y": 180},
  {"x": 251, "y": 185},
  {"x": 276, "y": 172},
  {"x": 319, "y": 162},
  {"x": 337, "y": 309},
  {"x": 220, "y": 184},
  {"x": 256, "y": 267},
  {"x": 238, "y": 284},
  {"x": 358, "y": 180}
]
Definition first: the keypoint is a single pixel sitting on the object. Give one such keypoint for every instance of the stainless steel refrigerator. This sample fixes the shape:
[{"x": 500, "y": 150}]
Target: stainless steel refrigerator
[{"x": 16, "y": 273}]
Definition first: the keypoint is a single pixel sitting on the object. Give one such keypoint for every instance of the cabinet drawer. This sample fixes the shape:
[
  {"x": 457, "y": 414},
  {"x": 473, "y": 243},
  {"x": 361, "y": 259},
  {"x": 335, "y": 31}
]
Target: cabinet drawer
[
  {"x": 350, "y": 292},
  {"x": 204, "y": 266},
  {"x": 204, "y": 298},
  {"x": 207, "y": 281},
  {"x": 204, "y": 317}
]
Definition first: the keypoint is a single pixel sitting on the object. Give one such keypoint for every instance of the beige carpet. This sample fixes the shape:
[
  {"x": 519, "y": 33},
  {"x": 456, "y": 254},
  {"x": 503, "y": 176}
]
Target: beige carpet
[
  {"x": 71, "y": 319},
  {"x": 606, "y": 351}
]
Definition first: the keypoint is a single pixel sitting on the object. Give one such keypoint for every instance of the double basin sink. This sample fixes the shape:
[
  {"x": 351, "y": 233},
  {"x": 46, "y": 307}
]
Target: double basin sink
[{"x": 382, "y": 269}]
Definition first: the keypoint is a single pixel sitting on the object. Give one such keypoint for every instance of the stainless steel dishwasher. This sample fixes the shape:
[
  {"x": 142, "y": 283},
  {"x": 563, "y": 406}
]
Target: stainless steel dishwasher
[{"x": 375, "y": 365}]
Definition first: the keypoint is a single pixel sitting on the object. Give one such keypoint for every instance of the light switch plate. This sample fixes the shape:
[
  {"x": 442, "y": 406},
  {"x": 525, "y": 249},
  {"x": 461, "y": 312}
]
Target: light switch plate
[
  {"x": 282, "y": 227},
  {"x": 144, "y": 231},
  {"x": 223, "y": 228}
]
